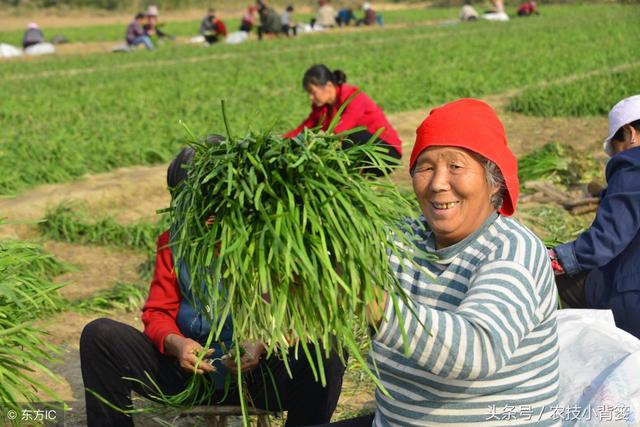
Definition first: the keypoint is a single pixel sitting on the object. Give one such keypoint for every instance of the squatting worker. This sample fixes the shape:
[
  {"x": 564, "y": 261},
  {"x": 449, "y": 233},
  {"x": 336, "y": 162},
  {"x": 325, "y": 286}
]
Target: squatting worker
[
  {"x": 174, "y": 331},
  {"x": 328, "y": 91},
  {"x": 487, "y": 332},
  {"x": 602, "y": 265}
]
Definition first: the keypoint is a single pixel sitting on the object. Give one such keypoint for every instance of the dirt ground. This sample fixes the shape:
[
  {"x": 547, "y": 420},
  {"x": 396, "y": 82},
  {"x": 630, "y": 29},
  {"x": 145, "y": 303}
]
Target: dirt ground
[{"x": 133, "y": 194}]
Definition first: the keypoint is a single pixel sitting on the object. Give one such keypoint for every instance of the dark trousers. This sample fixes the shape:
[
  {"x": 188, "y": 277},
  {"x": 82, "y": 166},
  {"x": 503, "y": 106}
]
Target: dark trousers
[
  {"x": 362, "y": 421},
  {"x": 362, "y": 137},
  {"x": 211, "y": 38},
  {"x": 111, "y": 350},
  {"x": 571, "y": 290}
]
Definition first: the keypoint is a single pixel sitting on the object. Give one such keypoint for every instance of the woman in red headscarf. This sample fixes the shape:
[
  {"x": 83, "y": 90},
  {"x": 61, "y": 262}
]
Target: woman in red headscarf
[{"x": 480, "y": 319}]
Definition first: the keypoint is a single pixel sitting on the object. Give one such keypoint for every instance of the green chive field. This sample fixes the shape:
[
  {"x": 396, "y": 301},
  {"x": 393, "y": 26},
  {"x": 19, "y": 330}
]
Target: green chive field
[{"x": 86, "y": 137}]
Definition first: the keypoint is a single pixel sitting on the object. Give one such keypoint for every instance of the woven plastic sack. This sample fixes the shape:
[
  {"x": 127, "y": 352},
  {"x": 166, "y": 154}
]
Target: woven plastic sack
[{"x": 599, "y": 371}]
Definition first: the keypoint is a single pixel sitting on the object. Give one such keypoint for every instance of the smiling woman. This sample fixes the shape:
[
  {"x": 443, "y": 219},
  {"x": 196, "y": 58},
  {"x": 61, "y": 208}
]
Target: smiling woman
[{"x": 482, "y": 316}]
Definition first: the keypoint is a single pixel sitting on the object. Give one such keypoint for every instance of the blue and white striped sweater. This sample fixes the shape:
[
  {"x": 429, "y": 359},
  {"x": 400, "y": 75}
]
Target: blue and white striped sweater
[{"x": 490, "y": 339}]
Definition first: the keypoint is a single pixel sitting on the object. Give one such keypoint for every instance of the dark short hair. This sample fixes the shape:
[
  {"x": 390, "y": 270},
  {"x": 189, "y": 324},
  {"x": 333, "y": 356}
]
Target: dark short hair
[
  {"x": 177, "y": 172},
  {"x": 619, "y": 135},
  {"x": 139, "y": 15},
  {"x": 320, "y": 75}
]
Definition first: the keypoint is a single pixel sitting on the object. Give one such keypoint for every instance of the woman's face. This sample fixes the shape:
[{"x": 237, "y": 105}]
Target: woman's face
[
  {"x": 630, "y": 140},
  {"x": 453, "y": 193},
  {"x": 322, "y": 95}
]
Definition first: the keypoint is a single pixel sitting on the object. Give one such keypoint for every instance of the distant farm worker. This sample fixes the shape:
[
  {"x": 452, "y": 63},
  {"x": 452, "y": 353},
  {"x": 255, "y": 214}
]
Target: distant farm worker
[
  {"x": 289, "y": 27},
  {"x": 270, "y": 23},
  {"x": 32, "y": 36},
  {"x": 528, "y": 8},
  {"x": 325, "y": 16},
  {"x": 345, "y": 16},
  {"x": 468, "y": 12},
  {"x": 328, "y": 91},
  {"x": 174, "y": 333},
  {"x": 212, "y": 28},
  {"x": 601, "y": 268},
  {"x": 370, "y": 16},
  {"x": 481, "y": 316},
  {"x": 152, "y": 26},
  {"x": 248, "y": 19},
  {"x": 136, "y": 35}
]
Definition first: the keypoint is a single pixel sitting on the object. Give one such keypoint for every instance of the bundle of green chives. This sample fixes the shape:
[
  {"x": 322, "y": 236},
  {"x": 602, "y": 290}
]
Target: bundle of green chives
[
  {"x": 300, "y": 239},
  {"x": 26, "y": 293}
]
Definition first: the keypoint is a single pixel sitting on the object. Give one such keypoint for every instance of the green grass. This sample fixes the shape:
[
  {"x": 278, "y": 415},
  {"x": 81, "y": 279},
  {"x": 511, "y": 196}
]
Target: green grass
[
  {"x": 26, "y": 293},
  {"x": 558, "y": 163},
  {"x": 66, "y": 116},
  {"x": 74, "y": 226},
  {"x": 590, "y": 96},
  {"x": 554, "y": 224},
  {"x": 127, "y": 297}
]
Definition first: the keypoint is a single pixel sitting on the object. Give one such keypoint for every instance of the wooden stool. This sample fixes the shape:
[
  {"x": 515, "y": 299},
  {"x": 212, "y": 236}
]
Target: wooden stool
[{"x": 217, "y": 416}]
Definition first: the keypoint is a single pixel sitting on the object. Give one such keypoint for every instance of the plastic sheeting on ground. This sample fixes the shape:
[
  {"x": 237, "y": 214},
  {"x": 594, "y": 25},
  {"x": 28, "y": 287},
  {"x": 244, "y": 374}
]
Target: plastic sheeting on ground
[
  {"x": 40, "y": 49},
  {"x": 495, "y": 16},
  {"x": 237, "y": 37},
  {"x": 8, "y": 51},
  {"x": 599, "y": 370},
  {"x": 122, "y": 47}
]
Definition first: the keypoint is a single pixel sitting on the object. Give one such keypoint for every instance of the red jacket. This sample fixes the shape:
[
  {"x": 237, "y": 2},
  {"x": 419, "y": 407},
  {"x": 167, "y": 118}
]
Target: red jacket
[
  {"x": 361, "y": 111},
  {"x": 161, "y": 309},
  {"x": 220, "y": 28}
]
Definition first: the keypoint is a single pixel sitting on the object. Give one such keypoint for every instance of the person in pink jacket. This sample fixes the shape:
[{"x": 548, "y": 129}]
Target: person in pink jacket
[{"x": 328, "y": 91}]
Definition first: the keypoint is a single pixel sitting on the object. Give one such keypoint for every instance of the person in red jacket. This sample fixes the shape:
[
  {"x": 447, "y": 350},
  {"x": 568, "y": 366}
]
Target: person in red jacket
[
  {"x": 174, "y": 332},
  {"x": 328, "y": 91}
]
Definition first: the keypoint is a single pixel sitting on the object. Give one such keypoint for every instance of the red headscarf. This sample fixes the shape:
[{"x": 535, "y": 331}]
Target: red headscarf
[{"x": 471, "y": 124}]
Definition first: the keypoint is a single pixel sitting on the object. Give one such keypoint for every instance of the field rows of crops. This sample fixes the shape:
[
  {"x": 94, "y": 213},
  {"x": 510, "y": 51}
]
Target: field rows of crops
[
  {"x": 62, "y": 117},
  {"x": 115, "y": 32},
  {"x": 131, "y": 104}
]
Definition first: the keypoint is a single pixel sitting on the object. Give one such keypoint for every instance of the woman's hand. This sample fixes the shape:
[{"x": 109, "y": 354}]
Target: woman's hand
[
  {"x": 249, "y": 360},
  {"x": 186, "y": 351},
  {"x": 376, "y": 308}
]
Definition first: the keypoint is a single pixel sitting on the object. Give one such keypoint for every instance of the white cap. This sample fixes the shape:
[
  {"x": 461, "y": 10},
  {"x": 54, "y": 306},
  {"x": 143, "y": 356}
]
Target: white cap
[
  {"x": 366, "y": 6},
  {"x": 32, "y": 25},
  {"x": 152, "y": 11},
  {"x": 624, "y": 112}
]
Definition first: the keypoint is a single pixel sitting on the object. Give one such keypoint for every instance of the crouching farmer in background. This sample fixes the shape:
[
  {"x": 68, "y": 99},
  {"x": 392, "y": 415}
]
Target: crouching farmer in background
[
  {"x": 601, "y": 268},
  {"x": 136, "y": 34},
  {"x": 174, "y": 333}
]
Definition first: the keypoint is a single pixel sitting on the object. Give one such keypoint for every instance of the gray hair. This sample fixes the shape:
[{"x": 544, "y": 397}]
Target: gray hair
[{"x": 494, "y": 179}]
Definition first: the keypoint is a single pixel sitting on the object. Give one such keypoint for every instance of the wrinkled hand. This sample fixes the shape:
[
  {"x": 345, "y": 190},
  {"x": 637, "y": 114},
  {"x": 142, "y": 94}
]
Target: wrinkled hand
[
  {"x": 555, "y": 264},
  {"x": 186, "y": 351},
  {"x": 249, "y": 360}
]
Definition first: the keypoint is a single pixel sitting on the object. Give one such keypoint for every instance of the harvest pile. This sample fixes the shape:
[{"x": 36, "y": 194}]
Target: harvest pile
[
  {"x": 296, "y": 233},
  {"x": 26, "y": 293}
]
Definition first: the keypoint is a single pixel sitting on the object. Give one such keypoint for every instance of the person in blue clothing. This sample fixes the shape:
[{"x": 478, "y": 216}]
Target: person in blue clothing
[{"x": 601, "y": 268}]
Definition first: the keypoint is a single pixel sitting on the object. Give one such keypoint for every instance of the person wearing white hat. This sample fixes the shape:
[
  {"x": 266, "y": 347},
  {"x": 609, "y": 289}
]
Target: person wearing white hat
[
  {"x": 152, "y": 27},
  {"x": 601, "y": 268},
  {"x": 370, "y": 16}
]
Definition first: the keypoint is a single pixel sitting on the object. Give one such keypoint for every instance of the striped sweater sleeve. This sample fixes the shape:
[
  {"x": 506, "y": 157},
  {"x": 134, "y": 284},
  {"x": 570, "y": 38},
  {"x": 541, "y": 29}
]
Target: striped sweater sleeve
[{"x": 480, "y": 336}]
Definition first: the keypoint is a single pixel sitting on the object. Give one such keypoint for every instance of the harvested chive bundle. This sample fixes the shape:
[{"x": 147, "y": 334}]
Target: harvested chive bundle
[
  {"x": 26, "y": 293},
  {"x": 300, "y": 238}
]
